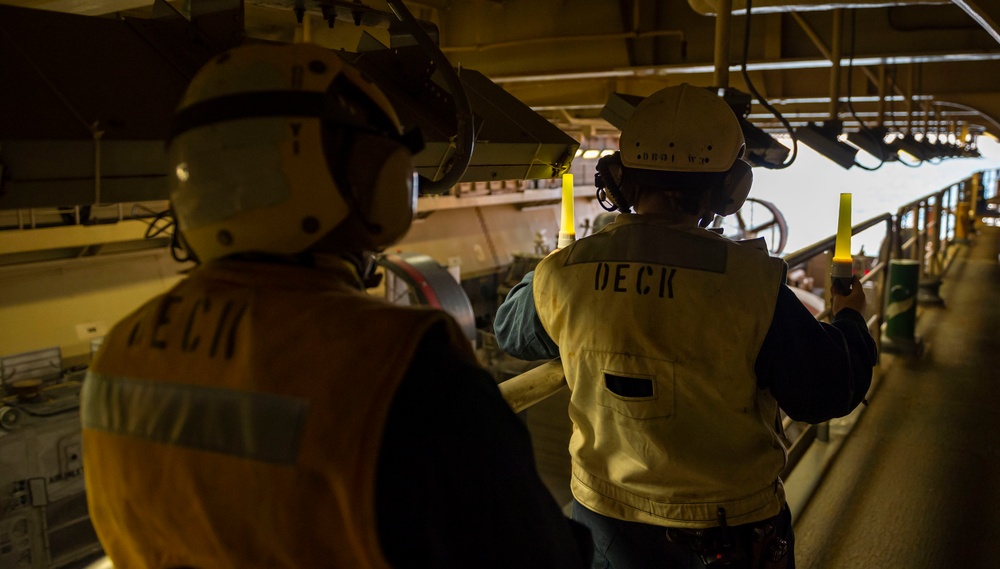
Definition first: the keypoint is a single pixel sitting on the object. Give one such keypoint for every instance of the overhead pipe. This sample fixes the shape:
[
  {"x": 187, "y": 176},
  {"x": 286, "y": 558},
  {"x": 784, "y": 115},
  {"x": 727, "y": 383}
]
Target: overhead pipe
[
  {"x": 738, "y": 7},
  {"x": 909, "y": 100},
  {"x": 971, "y": 110},
  {"x": 983, "y": 12},
  {"x": 722, "y": 25},
  {"x": 836, "y": 52},
  {"x": 938, "y": 123},
  {"x": 880, "y": 109},
  {"x": 773, "y": 65},
  {"x": 928, "y": 109}
]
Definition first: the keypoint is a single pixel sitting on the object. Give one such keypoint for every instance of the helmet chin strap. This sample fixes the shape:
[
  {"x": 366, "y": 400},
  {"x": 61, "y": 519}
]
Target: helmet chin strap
[{"x": 369, "y": 277}]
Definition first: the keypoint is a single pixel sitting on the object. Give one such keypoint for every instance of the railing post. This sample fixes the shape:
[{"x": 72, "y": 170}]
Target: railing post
[
  {"x": 977, "y": 187},
  {"x": 962, "y": 222},
  {"x": 949, "y": 219},
  {"x": 901, "y": 309},
  {"x": 897, "y": 244},
  {"x": 963, "y": 212},
  {"x": 930, "y": 281},
  {"x": 938, "y": 211},
  {"x": 823, "y": 432},
  {"x": 887, "y": 254},
  {"x": 921, "y": 223}
]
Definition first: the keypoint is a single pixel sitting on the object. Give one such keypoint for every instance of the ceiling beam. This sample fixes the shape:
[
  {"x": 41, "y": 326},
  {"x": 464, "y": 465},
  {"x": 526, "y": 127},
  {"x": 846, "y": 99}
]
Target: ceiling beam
[
  {"x": 770, "y": 65},
  {"x": 986, "y": 13},
  {"x": 711, "y": 7}
]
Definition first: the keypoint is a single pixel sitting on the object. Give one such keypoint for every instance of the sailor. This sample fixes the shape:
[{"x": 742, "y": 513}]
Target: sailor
[
  {"x": 267, "y": 412},
  {"x": 679, "y": 346}
]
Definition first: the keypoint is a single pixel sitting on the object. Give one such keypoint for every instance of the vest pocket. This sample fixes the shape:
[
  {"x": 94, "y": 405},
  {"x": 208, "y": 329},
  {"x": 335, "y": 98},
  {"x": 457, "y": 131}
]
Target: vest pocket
[
  {"x": 629, "y": 387},
  {"x": 633, "y": 386}
]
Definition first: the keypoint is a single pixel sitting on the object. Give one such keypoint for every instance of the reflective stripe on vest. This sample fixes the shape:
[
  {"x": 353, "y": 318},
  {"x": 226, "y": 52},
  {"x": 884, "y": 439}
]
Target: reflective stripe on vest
[{"x": 255, "y": 426}]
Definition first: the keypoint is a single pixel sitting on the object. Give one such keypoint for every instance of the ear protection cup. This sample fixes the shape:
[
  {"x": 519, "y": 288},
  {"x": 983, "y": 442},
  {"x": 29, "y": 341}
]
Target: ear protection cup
[
  {"x": 728, "y": 198},
  {"x": 608, "y": 181},
  {"x": 380, "y": 187}
]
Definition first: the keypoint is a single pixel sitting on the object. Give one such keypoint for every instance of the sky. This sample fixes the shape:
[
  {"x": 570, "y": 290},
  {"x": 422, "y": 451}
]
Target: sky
[{"x": 808, "y": 192}]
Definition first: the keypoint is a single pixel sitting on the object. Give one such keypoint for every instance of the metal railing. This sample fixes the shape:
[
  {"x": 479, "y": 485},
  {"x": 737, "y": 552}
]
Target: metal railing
[
  {"x": 45, "y": 217},
  {"x": 873, "y": 278},
  {"x": 925, "y": 230}
]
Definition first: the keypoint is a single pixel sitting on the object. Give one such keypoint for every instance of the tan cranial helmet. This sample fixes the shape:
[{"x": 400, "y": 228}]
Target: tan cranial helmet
[
  {"x": 680, "y": 129},
  {"x": 275, "y": 146}
]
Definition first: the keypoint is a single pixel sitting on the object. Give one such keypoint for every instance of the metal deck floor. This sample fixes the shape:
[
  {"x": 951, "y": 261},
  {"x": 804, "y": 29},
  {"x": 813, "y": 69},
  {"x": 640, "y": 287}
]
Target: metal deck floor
[{"x": 916, "y": 484}]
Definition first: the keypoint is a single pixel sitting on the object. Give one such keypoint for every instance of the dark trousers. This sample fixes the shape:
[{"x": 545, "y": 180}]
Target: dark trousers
[{"x": 629, "y": 545}]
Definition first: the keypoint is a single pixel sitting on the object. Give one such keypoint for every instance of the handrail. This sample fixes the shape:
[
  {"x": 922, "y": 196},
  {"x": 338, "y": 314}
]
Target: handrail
[
  {"x": 804, "y": 255},
  {"x": 523, "y": 391},
  {"x": 810, "y": 251}
]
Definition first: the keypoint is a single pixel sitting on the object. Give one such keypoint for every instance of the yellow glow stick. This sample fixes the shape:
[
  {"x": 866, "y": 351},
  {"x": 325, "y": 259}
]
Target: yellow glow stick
[
  {"x": 843, "y": 264},
  {"x": 567, "y": 232},
  {"x": 843, "y": 251}
]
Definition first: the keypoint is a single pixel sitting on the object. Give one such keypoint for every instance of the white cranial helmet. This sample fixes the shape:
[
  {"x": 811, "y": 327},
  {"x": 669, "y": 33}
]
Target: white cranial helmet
[
  {"x": 682, "y": 129},
  {"x": 275, "y": 146}
]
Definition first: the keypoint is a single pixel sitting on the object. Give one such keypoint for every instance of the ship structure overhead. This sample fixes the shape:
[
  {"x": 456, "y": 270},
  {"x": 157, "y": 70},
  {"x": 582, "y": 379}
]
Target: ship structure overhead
[{"x": 513, "y": 104}]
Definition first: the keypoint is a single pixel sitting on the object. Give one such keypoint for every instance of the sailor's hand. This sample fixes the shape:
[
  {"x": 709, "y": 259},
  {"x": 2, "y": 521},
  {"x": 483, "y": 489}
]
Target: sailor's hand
[{"x": 855, "y": 299}]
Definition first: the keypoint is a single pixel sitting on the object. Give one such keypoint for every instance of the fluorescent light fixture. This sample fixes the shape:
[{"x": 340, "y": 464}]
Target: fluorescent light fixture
[
  {"x": 969, "y": 150},
  {"x": 931, "y": 150},
  {"x": 946, "y": 149},
  {"x": 607, "y": 152},
  {"x": 762, "y": 148},
  {"x": 823, "y": 139},
  {"x": 591, "y": 154},
  {"x": 872, "y": 141},
  {"x": 579, "y": 153},
  {"x": 909, "y": 144}
]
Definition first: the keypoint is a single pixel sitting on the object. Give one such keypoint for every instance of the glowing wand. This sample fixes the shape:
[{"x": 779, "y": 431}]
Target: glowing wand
[
  {"x": 567, "y": 232},
  {"x": 842, "y": 271}
]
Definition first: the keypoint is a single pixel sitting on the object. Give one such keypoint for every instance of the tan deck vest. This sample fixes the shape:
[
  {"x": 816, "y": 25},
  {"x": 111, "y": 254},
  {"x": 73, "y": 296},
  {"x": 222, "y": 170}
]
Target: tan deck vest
[
  {"x": 658, "y": 329},
  {"x": 235, "y": 422}
]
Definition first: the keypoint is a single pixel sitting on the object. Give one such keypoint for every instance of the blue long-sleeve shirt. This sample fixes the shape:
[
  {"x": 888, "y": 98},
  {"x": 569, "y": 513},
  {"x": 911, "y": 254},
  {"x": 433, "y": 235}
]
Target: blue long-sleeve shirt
[{"x": 815, "y": 371}]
